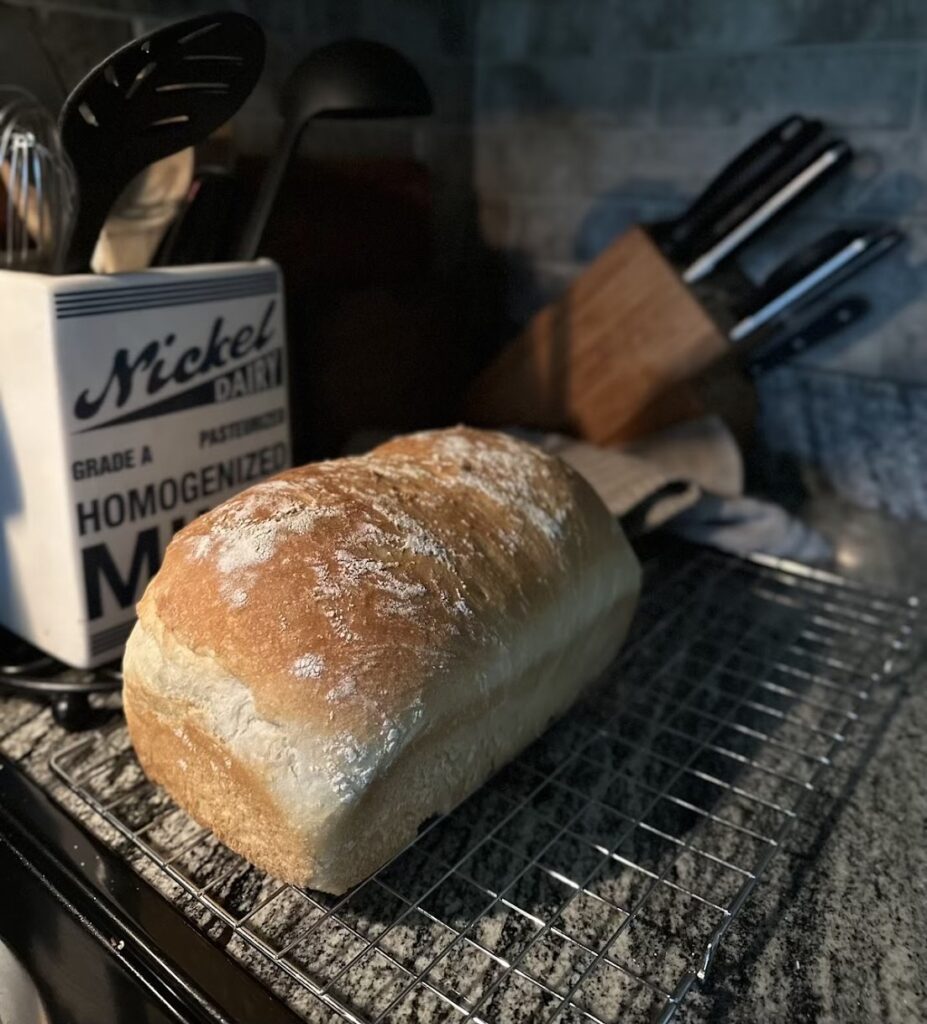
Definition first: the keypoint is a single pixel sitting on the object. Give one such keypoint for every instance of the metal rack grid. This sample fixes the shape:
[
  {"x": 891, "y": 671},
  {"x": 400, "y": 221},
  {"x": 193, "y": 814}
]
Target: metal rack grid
[{"x": 593, "y": 878}]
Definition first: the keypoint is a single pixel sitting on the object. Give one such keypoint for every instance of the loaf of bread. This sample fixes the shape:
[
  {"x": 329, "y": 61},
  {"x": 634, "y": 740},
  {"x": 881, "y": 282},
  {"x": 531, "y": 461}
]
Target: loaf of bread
[{"x": 338, "y": 653}]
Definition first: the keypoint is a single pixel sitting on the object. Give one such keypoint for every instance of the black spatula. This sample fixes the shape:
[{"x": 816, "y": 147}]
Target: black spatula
[{"x": 154, "y": 96}]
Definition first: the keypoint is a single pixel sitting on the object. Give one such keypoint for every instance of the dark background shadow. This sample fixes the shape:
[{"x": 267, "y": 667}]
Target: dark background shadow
[{"x": 11, "y": 503}]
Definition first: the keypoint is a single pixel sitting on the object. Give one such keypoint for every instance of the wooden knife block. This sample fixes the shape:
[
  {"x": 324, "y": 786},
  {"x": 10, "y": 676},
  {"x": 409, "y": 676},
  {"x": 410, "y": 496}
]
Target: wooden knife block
[{"x": 626, "y": 351}]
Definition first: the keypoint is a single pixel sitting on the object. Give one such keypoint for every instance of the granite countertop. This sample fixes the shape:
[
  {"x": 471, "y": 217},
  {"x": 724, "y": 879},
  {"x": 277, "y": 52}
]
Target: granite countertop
[{"x": 837, "y": 929}]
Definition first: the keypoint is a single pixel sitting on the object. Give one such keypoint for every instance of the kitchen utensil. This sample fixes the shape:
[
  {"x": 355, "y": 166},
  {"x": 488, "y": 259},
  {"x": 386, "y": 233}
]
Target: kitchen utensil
[
  {"x": 156, "y": 95},
  {"x": 143, "y": 214},
  {"x": 792, "y": 341},
  {"x": 759, "y": 209},
  {"x": 39, "y": 183},
  {"x": 352, "y": 78},
  {"x": 761, "y": 158},
  {"x": 778, "y": 178},
  {"x": 204, "y": 229},
  {"x": 814, "y": 271}
]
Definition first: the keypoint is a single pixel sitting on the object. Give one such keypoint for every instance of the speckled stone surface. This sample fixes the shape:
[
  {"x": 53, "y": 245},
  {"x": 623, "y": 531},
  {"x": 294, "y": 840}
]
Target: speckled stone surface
[
  {"x": 835, "y": 931},
  {"x": 838, "y": 932},
  {"x": 867, "y": 438}
]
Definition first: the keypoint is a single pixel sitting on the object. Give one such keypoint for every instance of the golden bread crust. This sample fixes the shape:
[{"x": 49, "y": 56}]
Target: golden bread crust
[{"x": 348, "y": 633}]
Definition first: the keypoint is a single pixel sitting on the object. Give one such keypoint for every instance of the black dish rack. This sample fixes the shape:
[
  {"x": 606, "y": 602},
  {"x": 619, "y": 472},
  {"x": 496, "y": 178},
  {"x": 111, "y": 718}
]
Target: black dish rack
[{"x": 28, "y": 672}]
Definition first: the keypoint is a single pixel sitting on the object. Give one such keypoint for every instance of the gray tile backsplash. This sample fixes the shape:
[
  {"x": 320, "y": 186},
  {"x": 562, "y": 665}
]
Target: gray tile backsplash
[
  {"x": 667, "y": 25},
  {"x": 565, "y": 86},
  {"x": 559, "y": 123},
  {"x": 866, "y": 436},
  {"x": 862, "y": 87}
]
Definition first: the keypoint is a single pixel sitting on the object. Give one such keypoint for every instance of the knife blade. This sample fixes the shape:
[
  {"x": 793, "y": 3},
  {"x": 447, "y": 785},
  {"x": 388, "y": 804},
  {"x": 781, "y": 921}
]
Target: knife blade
[
  {"x": 815, "y": 270},
  {"x": 791, "y": 341},
  {"x": 814, "y": 169}
]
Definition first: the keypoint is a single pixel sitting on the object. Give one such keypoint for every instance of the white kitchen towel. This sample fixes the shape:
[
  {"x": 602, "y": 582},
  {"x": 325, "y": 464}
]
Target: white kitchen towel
[
  {"x": 689, "y": 480},
  {"x": 659, "y": 476}
]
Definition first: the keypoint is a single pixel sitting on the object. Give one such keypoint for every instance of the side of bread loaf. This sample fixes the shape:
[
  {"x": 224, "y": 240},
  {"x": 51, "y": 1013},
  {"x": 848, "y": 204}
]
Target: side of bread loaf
[{"x": 336, "y": 654}]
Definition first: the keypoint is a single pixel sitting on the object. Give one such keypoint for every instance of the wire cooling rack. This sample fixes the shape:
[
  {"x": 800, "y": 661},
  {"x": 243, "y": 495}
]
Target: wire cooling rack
[{"x": 593, "y": 878}]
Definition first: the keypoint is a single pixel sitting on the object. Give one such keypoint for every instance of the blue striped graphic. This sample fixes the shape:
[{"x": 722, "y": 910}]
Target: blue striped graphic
[{"x": 100, "y": 301}]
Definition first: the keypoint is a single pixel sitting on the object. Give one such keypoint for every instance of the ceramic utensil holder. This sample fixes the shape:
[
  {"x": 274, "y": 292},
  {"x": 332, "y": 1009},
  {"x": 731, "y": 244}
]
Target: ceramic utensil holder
[{"x": 128, "y": 406}]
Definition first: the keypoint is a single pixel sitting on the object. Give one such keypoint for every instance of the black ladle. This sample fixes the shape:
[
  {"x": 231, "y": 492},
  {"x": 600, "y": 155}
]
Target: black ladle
[
  {"x": 151, "y": 98},
  {"x": 353, "y": 78}
]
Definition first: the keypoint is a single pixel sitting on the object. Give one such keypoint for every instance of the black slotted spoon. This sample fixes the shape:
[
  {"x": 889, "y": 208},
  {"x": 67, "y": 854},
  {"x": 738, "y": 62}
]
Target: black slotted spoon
[{"x": 151, "y": 98}]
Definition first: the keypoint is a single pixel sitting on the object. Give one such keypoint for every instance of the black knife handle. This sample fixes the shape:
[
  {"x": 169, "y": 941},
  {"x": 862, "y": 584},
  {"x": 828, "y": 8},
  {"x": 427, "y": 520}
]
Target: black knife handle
[
  {"x": 740, "y": 175},
  {"x": 792, "y": 184},
  {"x": 792, "y": 342},
  {"x": 779, "y": 178}
]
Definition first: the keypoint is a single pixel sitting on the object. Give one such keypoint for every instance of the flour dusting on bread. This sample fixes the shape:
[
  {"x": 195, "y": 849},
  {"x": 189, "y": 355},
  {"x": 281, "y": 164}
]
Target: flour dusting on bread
[
  {"x": 308, "y": 666},
  {"x": 380, "y": 553}
]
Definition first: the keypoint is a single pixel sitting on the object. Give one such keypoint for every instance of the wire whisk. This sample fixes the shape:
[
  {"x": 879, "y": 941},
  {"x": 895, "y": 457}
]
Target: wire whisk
[{"x": 39, "y": 186}]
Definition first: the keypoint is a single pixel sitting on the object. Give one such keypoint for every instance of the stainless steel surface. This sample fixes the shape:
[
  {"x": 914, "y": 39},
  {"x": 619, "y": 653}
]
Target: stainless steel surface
[
  {"x": 38, "y": 182},
  {"x": 802, "y": 288},
  {"x": 735, "y": 180},
  {"x": 815, "y": 271},
  {"x": 594, "y": 878},
  {"x": 804, "y": 180},
  {"x": 20, "y": 1002}
]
